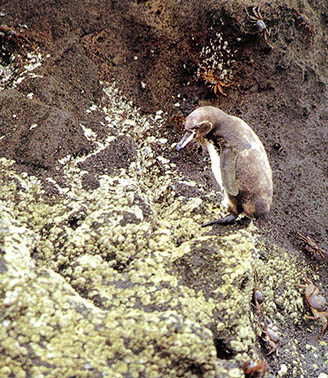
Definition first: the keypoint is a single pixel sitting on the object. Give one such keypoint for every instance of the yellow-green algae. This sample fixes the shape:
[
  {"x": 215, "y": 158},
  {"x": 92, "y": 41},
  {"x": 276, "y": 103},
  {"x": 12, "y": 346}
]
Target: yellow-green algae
[{"x": 136, "y": 287}]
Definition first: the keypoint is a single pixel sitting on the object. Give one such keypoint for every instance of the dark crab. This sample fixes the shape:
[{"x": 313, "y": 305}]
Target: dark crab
[
  {"x": 304, "y": 22},
  {"x": 310, "y": 246},
  {"x": 257, "y": 19},
  {"x": 257, "y": 296}
]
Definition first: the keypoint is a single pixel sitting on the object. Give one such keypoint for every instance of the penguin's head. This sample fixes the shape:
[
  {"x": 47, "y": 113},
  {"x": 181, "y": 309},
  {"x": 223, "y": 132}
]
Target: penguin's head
[{"x": 195, "y": 129}]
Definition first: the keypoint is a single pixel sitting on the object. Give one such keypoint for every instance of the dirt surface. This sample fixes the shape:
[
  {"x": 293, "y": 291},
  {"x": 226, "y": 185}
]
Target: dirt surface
[{"x": 156, "y": 52}]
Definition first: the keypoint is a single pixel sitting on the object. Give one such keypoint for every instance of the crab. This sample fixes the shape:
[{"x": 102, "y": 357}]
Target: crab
[
  {"x": 317, "y": 304},
  {"x": 8, "y": 35},
  {"x": 271, "y": 337},
  {"x": 304, "y": 22},
  {"x": 257, "y": 296},
  {"x": 257, "y": 19},
  {"x": 255, "y": 369},
  {"x": 213, "y": 82},
  {"x": 312, "y": 248}
]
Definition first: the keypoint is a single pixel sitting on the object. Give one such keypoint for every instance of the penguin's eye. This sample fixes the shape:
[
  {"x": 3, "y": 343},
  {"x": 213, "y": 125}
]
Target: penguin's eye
[{"x": 203, "y": 128}]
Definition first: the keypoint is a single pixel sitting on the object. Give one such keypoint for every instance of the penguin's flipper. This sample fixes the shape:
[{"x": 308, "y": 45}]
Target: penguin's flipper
[{"x": 228, "y": 170}]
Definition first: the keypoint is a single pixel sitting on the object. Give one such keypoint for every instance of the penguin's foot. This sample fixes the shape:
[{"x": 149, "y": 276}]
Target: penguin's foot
[
  {"x": 228, "y": 219},
  {"x": 244, "y": 221}
]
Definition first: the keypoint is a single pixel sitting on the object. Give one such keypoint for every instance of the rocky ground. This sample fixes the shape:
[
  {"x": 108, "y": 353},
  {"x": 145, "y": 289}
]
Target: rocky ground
[{"x": 105, "y": 270}]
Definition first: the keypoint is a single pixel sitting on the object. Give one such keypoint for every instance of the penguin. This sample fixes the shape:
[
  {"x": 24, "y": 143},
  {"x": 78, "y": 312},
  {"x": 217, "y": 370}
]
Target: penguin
[{"x": 239, "y": 162}]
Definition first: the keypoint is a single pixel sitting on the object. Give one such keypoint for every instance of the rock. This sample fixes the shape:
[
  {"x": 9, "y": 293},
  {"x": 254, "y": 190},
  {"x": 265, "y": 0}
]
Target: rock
[{"x": 104, "y": 268}]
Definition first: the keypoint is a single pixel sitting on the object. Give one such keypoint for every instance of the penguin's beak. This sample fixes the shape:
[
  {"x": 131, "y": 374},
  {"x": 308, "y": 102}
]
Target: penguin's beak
[{"x": 189, "y": 135}]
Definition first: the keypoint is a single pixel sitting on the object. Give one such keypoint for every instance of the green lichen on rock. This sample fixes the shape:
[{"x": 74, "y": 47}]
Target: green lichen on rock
[{"x": 121, "y": 280}]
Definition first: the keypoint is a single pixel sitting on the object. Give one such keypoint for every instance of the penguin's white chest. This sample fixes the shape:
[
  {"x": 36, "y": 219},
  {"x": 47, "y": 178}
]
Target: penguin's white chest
[
  {"x": 216, "y": 169},
  {"x": 215, "y": 161}
]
